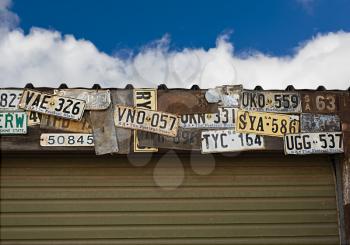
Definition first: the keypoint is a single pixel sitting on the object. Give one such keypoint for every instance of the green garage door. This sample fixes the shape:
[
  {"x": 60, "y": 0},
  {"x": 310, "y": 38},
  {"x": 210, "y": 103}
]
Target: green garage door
[{"x": 104, "y": 200}]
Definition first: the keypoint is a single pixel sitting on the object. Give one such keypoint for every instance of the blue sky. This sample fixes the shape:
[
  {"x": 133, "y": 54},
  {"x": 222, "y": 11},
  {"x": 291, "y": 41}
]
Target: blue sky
[
  {"x": 274, "y": 27},
  {"x": 305, "y": 43}
]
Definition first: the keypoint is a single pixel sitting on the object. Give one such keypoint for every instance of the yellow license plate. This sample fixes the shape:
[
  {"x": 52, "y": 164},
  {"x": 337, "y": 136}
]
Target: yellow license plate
[{"x": 263, "y": 123}]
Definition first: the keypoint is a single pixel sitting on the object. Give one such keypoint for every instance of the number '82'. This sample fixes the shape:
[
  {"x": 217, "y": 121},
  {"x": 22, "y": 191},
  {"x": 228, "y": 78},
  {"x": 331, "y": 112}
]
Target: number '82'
[{"x": 68, "y": 106}]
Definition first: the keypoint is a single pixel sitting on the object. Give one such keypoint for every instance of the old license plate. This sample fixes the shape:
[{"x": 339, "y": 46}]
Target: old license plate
[
  {"x": 313, "y": 143},
  {"x": 264, "y": 123},
  {"x": 320, "y": 102},
  {"x": 226, "y": 96},
  {"x": 313, "y": 123},
  {"x": 94, "y": 99},
  {"x": 52, "y": 104},
  {"x": 34, "y": 118},
  {"x": 146, "y": 120},
  {"x": 52, "y": 122},
  {"x": 66, "y": 140},
  {"x": 13, "y": 123},
  {"x": 286, "y": 102},
  {"x": 230, "y": 141},
  {"x": 186, "y": 139},
  {"x": 147, "y": 99},
  {"x": 224, "y": 118},
  {"x": 9, "y": 99}
]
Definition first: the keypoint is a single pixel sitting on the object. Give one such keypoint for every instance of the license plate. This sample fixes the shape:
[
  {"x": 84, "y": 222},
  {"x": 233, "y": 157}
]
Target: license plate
[
  {"x": 225, "y": 118},
  {"x": 13, "y": 123},
  {"x": 146, "y": 120},
  {"x": 52, "y": 104},
  {"x": 34, "y": 118},
  {"x": 9, "y": 99},
  {"x": 313, "y": 143},
  {"x": 66, "y": 140},
  {"x": 225, "y": 96},
  {"x": 230, "y": 141},
  {"x": 264, "y": 123},
  {"x": 57, "y": 123},
  {"x": 313, "y": 123},
  {"x": 286, "y": 102},
  {"x": 186, "y": 139},
  {"x": 320, "y": 102},
  {"x": 94, "y": 99},
  {"x": 147, "y": 99}
]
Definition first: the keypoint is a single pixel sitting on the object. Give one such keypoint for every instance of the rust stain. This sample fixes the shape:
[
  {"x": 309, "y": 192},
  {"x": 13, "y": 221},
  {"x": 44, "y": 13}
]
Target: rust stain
[{"x": 181, "y": 101}]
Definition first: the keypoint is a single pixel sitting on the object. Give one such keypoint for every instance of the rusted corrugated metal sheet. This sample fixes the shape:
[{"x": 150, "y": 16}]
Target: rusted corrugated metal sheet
[
  {"x": 182, "y": 101},
  {"x": 123, "y": 97},
  {"x": 344, "y": 114},
  {"x": 104, "y": 131}
]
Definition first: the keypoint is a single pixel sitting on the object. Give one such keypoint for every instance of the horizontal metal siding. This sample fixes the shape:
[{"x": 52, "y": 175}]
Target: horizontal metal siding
[{"x": 94, "y": 200}]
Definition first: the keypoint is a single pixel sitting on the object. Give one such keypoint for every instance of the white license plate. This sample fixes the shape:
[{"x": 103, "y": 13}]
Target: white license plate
[
  {"x": 95, "y": 99},
  {"x": 146, "y": 120},
  {"x": 9, "y": 99},
  {"x": 285, "y": 102},
  {"x": 13, "y": 123},
  {"x": 225, "y": 118},
  {"x": 52, "y": 104},
  {"x": 66, "y": 140},
  {"x": 230, "y": 141},
  {"x": 313, "y": 143},
  {"x": 264, "y": 123}
]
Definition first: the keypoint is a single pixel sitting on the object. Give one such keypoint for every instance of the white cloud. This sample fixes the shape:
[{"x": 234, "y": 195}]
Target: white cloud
[{"x": 46, "y": 58}]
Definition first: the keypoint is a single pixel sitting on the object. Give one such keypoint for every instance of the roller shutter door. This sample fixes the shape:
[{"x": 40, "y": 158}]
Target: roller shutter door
[{"x": 105, "y": 200}]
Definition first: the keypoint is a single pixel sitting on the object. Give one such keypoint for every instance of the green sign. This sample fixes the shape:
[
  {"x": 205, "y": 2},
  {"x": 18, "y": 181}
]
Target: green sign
[{"x": 13, "y": 123}]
